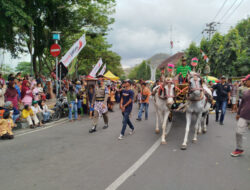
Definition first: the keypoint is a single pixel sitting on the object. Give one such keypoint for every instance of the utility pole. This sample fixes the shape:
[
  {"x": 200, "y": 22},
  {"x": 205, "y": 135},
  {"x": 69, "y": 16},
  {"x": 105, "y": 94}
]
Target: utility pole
[{"x": 210, "y": 30}]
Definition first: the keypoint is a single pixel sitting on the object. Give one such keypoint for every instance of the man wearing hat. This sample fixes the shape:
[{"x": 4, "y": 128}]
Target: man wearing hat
[
  {"x": 243, "y": 117},
  {"x": 182, "y": 71},
  {"x": 223, "y": 97},
  {"x": 100, "y": 98}
]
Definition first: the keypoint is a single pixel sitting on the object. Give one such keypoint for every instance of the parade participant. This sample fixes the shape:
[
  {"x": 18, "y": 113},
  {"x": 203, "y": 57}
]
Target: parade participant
[
  {"x": 112, "y": 98},
  {"x": 126, "y": 106},
  {"x": 6, "y": 125},
  {"x": 235, "y": 96},
  {"x": 100, "y": 98},
  {"x": 182, "y": 71},
  {"x": 243, "y": 118},
  {"x": 223, "y": 97},
  {"x": 79, "y": 94},
  {"x": 90, "y": 99},
  {"x": 72, "y": 102},
  {"x": 144, "y": 101}
]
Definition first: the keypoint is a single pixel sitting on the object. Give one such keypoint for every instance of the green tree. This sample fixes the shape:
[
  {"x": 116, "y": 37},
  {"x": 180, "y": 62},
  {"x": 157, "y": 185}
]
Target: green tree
[
  {"x": 34, "y": 20},
  {"x": 23, "y": 67},
  {"x": 141, "y": 71}
]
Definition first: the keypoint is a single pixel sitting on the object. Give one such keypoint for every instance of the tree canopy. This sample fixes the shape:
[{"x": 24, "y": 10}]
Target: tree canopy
[
  {"x": 26, "y": 26},
  {"x": 228, "y": 54}
]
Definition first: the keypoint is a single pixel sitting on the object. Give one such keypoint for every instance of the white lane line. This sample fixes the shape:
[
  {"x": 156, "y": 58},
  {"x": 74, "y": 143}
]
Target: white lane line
[
  {"x": 120, "y": 180},
  {"x": 37, "y": 130}
]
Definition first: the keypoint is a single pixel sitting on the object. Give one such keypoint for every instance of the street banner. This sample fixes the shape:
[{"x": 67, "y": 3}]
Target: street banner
[
  {"x": 103, "y": 70},
  {"x": 96, "y": 68},
  {"x": 73, "y": 51}
]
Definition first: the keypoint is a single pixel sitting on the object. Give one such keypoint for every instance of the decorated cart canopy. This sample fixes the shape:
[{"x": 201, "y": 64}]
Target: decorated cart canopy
[
  {"x": 213, "y": 79},
  {"x": 111, "y": 76}
]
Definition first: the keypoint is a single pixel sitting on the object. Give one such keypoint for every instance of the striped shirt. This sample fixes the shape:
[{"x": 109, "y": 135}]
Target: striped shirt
[{"x": 183, "y": 70}]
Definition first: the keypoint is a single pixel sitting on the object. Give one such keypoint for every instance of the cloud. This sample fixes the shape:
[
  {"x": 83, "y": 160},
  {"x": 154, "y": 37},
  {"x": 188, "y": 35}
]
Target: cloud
[{"x": 143, "y": 27}]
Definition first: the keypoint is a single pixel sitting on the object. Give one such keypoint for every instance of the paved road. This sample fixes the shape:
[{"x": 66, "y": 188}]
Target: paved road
[{"x": 66, "y": 156}]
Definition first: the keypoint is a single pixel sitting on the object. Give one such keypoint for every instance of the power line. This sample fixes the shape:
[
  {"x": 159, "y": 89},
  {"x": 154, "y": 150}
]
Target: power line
[
  {"x": 220, "y": 10},
  {"x": 234, "y": 11},
  {"x": 228, "y": 10}
]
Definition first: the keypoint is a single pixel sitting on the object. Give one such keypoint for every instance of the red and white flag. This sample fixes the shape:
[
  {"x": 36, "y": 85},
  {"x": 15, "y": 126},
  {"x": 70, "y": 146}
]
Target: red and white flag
[
  {"x": 172, "y": 44},
  {"x": 73, "y": 51},
  {"x": 205, "y": 57},
  {"x": 96, "y": 68},
  {"x": 103, "y": 70}
]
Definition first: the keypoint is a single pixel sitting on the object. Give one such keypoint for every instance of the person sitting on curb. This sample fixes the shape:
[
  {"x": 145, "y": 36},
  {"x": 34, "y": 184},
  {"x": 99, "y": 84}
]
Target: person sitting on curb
[
  {"x": 6, "y": 125},
  {"x": 8, "y": 106},
  {"x": 38, "y": 112},
  {"x": 243, "y": 118},
  {"x": 46, "y": 111},
  {"x": 29, "y": 116}
]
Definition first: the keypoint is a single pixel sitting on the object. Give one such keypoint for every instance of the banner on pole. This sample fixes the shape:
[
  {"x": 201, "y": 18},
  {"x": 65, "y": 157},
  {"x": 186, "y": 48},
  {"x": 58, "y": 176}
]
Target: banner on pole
[
  {"x": 103, "y": 70},
  {"x": 96, "y": 68},
  {"x": 73, "y": 51}
]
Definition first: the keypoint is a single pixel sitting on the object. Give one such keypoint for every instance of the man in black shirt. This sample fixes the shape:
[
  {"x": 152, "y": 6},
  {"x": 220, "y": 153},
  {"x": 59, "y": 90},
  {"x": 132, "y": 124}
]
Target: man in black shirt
[
  {"x": 126, "y": 105},
  {"x": 223, "y": 97}
]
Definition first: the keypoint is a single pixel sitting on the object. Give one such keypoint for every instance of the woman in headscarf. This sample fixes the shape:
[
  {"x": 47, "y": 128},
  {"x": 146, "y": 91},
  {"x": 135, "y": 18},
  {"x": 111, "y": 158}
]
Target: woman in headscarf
[
  {"x": 11, "y": 94},
  {"x": 26, "y": 93}
]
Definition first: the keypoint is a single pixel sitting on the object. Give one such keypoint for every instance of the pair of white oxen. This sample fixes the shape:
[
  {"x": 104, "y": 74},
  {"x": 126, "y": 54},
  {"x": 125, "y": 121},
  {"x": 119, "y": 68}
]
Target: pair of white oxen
[{"x": 197, "y": 104}]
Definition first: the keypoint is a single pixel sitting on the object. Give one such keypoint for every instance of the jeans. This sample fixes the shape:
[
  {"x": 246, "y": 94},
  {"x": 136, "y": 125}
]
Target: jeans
[
  {"x": 126, "y": 121},
  {"x": 15, "y": 117},
  {"x": 223, "y": 106},
  {"x": 72, "y": 108},
  {"x": 143, "y": 105},
  {"x": 46, "y": 116}
]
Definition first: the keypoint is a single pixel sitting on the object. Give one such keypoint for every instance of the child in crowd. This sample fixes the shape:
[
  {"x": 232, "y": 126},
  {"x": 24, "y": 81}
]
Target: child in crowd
[
  {"x": 6, "y": 125},
  {"x": 29, "y": 115},
  {"x": 46, "y": 111},
  {"x": 37, "y": 111},
  {"x": 8, "y": 106}
]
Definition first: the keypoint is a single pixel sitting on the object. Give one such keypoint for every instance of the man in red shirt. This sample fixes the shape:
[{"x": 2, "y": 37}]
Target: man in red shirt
[{"x": 243, "y": 117}]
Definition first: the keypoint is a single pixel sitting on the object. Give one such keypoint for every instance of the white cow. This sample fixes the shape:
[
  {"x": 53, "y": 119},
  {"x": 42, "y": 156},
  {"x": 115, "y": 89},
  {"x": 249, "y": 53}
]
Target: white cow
[{"x": 163, "y": 100}]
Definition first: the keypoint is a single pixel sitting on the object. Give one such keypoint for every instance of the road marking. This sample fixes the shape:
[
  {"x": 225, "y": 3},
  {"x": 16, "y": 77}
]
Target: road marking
[
  {"x": 41, "y": 129},
  {"x": 120, "y": 180}
]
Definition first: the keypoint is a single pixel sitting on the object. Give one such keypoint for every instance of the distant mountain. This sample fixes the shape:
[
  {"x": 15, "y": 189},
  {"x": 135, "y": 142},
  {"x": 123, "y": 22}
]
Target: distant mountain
[{"x": 157, "y": 59}]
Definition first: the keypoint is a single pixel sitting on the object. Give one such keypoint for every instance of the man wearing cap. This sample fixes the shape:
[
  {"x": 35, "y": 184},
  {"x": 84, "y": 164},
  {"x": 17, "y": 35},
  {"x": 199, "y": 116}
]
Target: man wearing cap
[
  {"x": 100, "y": 98},
  {"x": 243, "y": 117},
  {"x": 223, "y": 97},
  {"x": 182, "y": 71},
  {"x": 126, "y": 105}
]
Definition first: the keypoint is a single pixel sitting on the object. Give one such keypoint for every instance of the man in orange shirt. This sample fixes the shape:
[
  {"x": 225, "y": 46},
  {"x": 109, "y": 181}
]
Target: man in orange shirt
[{"x": 144, "y": 101}]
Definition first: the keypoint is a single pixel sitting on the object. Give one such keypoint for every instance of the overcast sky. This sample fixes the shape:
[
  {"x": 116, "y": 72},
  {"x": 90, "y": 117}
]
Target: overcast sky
[{"x": 142, "y": 27}]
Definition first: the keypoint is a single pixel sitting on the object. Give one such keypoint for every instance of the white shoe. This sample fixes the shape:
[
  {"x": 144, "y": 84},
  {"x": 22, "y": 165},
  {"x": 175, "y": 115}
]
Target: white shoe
[
  {"x": 120, "y": 137},
  {"x": 132, "y": 132}
]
